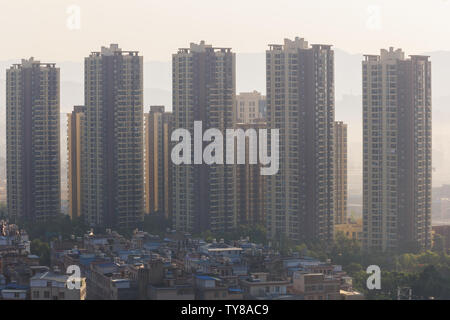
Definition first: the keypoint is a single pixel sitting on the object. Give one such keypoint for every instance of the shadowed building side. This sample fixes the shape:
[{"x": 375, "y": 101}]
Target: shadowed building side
[
  {"x": 340, "y": 171},
  {"x": 250, "y": 183}
]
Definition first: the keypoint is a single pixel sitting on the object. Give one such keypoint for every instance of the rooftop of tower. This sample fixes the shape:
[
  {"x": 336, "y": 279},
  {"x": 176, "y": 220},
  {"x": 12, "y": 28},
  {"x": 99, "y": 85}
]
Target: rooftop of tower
[
  {"x": 297, "y": 43},
  {"x": 113, "y": 49},
  {"x": 28, "y": 63},
  {"x": 202, "y": 47},
  {"x": 157, "y": 108},
  {"x": 392, "y": 54}
]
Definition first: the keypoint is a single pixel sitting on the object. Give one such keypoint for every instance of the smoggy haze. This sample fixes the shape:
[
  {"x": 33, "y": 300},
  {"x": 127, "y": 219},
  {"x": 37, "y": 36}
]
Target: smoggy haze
[{"x": 53, "y": 30}]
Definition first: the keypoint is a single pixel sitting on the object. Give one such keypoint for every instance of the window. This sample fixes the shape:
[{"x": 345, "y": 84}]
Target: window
[
  {"x": 46, "y": 294},
  {"x": 36, "y": 294}
]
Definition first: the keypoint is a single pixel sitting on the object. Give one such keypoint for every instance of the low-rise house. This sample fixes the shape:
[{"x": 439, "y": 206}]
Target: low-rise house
[
  {"x": 208, "y": 287},
  {"x": 14, "y": 294},
  {"x": 221, "y": 250},
  {"x": 176, "y": 292},
  {"x": 262, "y": 286},
  {"x": 13, "y": 291},
  {"x": 51, "y": 286},
  {"x": 316, "y": 286},
  {"x": 351, "y": 295},
  {"x": 110, "y": 281}
]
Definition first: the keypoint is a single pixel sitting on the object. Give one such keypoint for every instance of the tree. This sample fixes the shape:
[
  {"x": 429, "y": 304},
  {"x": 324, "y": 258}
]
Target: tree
[
  {"x": 42, "y": 250},
  {"x": 354, "y": 268},
  {"x": 430, "y": 283},
  {"x": 60, "y": 226},
  {"x": 256, "y": 233},
  {"x": 344, "y": 250},
  {"x": 439, "y": 244},
  {"x": 155, "y": 224}
]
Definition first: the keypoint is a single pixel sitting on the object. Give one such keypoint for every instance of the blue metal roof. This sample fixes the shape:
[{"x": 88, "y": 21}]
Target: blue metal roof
[
  {"x": 204, "y": 277},
  {"x": 14, "y": 286}
]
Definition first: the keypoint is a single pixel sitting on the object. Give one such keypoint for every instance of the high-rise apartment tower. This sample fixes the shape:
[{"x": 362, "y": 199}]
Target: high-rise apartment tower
[
  {"x": 204, "y": 90},
  {"x": 396, "y": 151},
  {"x": 112, "y": 180},
  {"x": 32, "y": 138},
  {"x": 300, "y": 103}
]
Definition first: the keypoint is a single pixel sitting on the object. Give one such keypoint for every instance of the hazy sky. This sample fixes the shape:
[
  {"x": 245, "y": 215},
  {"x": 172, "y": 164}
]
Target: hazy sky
[{"x": 49, "y": 29}]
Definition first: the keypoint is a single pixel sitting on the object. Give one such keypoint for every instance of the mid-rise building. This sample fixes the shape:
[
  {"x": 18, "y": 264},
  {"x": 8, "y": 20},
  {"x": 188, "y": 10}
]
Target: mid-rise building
[
  {"x": 300, "y": 103},
  {"x": 350, "y": 229},
  {"x": 250, "y": 183},
  {"x": 32, "y": 138},
  {"x": 112, "y": 181},
  {"x": 444, "y": 212},
  {"x": 107, "y": 281},
  {"x": 340, "y": 172},
  {"x": 316, "y": 286},
  {"x": 74, "y": 151},
  {"x": 250, "y": 107},
  {"x": 397, "y": 151},
  {"x": 261, "y": 285},
  {"x": 158, "y": 164},
  {"x": 203, "y": 90}
]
